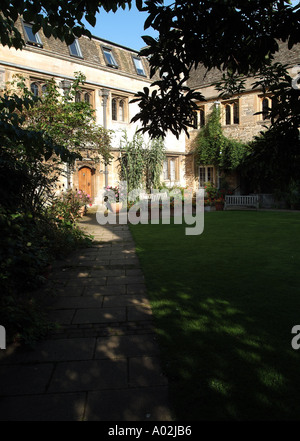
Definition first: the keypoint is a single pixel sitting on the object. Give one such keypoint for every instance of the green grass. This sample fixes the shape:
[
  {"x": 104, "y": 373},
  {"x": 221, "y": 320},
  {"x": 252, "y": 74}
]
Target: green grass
[{"x": 224, "y": 305}]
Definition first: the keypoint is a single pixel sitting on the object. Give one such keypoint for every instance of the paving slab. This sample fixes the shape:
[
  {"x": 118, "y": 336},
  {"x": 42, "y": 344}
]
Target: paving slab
[
  {"x": 47, "y": 407},
  {"x": 102, "y": 361},
  {"x": 88, "y": 375},
  {"x": 140, "y": 404}
]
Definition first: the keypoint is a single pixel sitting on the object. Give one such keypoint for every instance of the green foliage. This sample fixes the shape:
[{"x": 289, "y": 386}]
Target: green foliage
[
  {"x": 155, "y": 155},
  {"x": 211, "y": 139},
  {"x": 132, "y": 161},
  {"x": 68, "y": 205},
  {"x": 68, "y": 123},
  {"x": 236, "y": 37},
  {"x": 60, "y": 19},
  {"x": 214, "y": 148},
  {"x": 32, "y": 235},
  {"x": 141, "y": 164},
  {"x": 28, "y": 246},
  {"x": 273, "y": 161}
]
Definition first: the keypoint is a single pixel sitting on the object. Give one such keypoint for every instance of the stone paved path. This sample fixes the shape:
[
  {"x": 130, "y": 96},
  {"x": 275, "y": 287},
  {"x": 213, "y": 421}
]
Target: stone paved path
[{"x": 102, "y": 363}]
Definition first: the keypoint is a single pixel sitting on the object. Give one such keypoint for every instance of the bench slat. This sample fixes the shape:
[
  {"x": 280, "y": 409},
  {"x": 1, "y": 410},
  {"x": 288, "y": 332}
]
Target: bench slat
[{"x": 244, "y": 201}]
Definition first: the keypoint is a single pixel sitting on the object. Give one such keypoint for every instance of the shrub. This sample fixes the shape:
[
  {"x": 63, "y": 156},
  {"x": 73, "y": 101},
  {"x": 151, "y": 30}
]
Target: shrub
[
  {"x": 69, "y": 204},
  {"x": 28, "y": 246}
]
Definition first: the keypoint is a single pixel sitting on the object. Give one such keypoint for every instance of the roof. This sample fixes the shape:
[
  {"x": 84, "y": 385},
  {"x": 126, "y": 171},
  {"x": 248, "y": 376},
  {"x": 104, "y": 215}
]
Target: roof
[
  {"x": 201, "y": 77},
  {"x": 91, "y": 51}
]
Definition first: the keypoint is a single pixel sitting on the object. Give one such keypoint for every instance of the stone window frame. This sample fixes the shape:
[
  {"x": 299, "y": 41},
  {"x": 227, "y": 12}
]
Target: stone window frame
[
  {"x": 200, "y": 118},
  {"x": 109, "y": 50},
  {"x": 229, "y": 112},
  {"x": 37, "y": 42},
  {"x": 119, "y": 113},
  {"x": 207, "y": 173},
  {"x": 167, "y": 168},
  {"x": 264, "y": 98},
  {"x": 81, "y": 94},
  {"x": 40, "y": 86}
]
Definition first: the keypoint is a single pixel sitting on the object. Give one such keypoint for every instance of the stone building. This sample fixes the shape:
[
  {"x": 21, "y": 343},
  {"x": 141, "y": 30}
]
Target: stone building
[
  {"x": 114, "y": 74},
  {"x": 241, "y": 116}
]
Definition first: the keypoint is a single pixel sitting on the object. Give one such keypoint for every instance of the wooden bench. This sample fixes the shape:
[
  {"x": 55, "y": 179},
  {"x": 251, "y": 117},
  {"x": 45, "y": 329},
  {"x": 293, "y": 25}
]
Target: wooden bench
[
  {"x": 241, "y": 201},
  {"x": 153, "y": 196}
]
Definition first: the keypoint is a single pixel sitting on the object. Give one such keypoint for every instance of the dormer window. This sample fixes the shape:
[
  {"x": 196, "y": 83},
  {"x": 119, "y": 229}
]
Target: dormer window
[
  {"x": 31, "y": 38},
  {"x": 109, "y": 57},
  {"x": 139, "y": 66},
  {"x": 75, "y": 50}
]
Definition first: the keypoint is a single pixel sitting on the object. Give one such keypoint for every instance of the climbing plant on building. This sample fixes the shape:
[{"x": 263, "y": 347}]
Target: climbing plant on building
[
  {"x": 141, "y": 163},
  {"x": 214, "y": 148}
]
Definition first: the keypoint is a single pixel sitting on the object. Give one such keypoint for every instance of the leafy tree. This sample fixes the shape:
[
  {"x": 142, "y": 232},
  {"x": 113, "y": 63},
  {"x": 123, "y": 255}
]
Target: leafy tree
[
  {"x": 237, "y": 36},
  {"x": 62, "y": 19},
  {"x": 68, "y": 122},
  {"x": 273, "y": 161},
  {"x": 23, "y": 155}
]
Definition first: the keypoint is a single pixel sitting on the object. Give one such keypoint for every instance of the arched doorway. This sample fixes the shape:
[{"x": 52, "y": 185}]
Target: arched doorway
[{"x": 85, "y": 181}]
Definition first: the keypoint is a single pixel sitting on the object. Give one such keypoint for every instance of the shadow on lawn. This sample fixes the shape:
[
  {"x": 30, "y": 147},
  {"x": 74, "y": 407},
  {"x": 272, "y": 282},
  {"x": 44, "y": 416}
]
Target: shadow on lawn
[{"x": 222, "y": 364}]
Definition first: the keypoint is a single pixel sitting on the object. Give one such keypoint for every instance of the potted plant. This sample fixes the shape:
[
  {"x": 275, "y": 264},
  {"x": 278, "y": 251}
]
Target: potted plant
[
  {"x": 113, "y": 198},
  {"x": 219, "y": 203}
]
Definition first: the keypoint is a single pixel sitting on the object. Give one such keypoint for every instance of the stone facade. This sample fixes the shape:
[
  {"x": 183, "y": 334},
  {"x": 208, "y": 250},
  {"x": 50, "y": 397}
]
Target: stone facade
[
  {"x": 112, "y": 82},
  {"x": 242, "y": 122}
]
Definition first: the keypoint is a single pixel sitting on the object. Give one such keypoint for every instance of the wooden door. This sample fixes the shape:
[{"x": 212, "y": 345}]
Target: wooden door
[{"x": 85, "y": 180}]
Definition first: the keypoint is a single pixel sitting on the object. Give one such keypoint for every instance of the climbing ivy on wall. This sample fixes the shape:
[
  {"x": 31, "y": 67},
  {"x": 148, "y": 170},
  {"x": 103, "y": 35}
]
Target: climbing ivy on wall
[{"x": 214, "y": 148}]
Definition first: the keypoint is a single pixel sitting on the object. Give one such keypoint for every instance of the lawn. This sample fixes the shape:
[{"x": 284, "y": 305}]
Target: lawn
[{"x": 224, "y": 304}]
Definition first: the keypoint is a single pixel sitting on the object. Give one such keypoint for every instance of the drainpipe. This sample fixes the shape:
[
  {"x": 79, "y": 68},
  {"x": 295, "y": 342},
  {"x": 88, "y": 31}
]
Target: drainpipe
[
  {"x": 105, "y": 95},
  {"x": 65, "y": 85}
]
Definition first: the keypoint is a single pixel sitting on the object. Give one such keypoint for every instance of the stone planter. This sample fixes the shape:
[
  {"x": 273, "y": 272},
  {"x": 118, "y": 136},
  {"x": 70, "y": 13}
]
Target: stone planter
[
  {"x": 219, "y": 206},
  {"x": 116, "y": 207},
  {"x": 207, "y": 208}
]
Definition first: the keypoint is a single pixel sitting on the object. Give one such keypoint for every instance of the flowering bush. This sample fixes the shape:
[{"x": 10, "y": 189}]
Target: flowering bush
[
  {"x": 207, "y": 202},
  {"x": 68, "y": 206},
  {"x": 213, "y": 195},
  {"x": 114, "y": 194},
  {"x": 211, "y": 191},
  {"x": 219, "y": 200}
]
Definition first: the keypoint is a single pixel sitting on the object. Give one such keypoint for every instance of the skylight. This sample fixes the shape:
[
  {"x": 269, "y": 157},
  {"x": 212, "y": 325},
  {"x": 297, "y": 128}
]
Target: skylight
[
  {"x": 74, "y": 49},
  {"x": 32, "y": 38},
  {"x": 110, "y": 59},
  {"x": 139, "y": 66}
]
